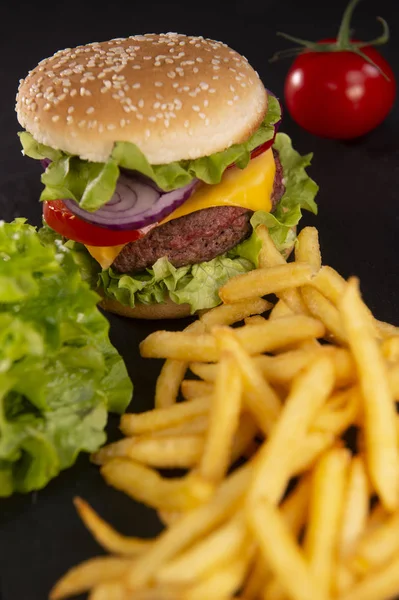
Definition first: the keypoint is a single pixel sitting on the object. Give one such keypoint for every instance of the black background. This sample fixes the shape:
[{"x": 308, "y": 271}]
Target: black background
[{"x": 358, "y": 222}]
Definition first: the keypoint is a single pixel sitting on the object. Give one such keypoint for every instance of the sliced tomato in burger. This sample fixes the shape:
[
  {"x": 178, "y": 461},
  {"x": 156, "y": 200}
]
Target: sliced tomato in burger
[{"x": 64, "y": 222}]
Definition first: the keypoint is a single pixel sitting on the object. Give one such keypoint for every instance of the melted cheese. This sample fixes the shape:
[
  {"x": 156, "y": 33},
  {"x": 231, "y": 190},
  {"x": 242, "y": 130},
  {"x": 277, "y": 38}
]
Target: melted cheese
[
  {"x": 105, "y": 255},
  {"x": 249, "y": 188}
]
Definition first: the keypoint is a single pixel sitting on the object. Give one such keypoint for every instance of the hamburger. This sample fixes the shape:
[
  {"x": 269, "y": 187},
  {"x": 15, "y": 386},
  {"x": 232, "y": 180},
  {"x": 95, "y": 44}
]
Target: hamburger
[{"x": 161, "y": 156}]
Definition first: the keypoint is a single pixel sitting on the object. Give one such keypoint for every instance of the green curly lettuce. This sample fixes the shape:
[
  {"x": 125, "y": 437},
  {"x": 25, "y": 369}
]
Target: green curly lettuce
[
  {"x": 92, "y": 184},
  {"x": 59, "y": 373},
  {"x": 198, "y": 285}
]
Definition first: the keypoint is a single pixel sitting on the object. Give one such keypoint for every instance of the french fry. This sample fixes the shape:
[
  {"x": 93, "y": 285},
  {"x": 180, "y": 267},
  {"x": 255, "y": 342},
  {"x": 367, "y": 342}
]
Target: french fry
[
  {"x": 386, "y": 329},
  {"x": 313, "y": 446},
  {"x": 323, "y": 309},
  {"x": 261, "y": 282},
  {"x": 207, "y": 555},
  {"x": 172, "y": 374},
  {"x": 307, "y": 247},
  {"x": 393, "y": 380},
  {"x": 162, "y": 418},
  {"x": 195, "y": 426},
  {"x": 226, "y": 314},
  {"x": 269, "y": 256},
  {"x": 111, "y": 590},
  {"x": 254, "y": 320},
  {"x": 244, "y": 436},
  {"x": 330, "y": 283},
  {"x": 382, "y": 584},
  {"x": 390, "y": 348},
  {"x": 223, "y": 420},
  {"x": 265, "y": 338},
  {"x": 110, "y": 539},
  {"x": 377, "y": 547},
  {"x": 162, "y": 452},
  {"x": 147, "y": 486},
  {"x": 257, "y": 579},
  {"x": 275, "y": 459},
  {"x": 259, "y": 397},
  {"x": 168, "y": 382},
  {"x": 356, "y": 508},
  {"x": 280, "y": 309},
  {"x": 169, "y": 517},
  {"x": 88, "y": 574},
  {"x": 281, "y": 552},
  {"x": 325, "y": 514},
  {"x": 382, "y": 451},
  {"x": 190, "y": 527},
  {"x": 340, "y": 411},
  {"x": 295, "y": 506},
  {"x": 224, "y": 582},
  {"x": 192, "y": 388}
]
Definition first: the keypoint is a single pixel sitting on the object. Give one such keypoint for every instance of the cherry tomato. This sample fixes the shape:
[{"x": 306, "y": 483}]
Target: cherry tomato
[
  {"x": 59, "y": 218},
  {"x": 339, "y": 94}
]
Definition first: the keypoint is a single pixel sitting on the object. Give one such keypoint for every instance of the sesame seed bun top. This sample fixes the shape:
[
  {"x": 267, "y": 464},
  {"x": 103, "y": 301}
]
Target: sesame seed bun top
[{"x": 175, "y": 96}]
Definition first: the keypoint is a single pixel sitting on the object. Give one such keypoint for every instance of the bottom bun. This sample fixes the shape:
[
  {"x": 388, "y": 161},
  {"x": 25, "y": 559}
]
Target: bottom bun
[{"x": 164, "y": 310}]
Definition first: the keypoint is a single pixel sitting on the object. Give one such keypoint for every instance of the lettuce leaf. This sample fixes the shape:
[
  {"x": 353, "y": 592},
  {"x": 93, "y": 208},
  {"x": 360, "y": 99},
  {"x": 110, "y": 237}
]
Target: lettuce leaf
[
  {"x": 59, "y": 373},
  {"x": 93, "y": 184}
]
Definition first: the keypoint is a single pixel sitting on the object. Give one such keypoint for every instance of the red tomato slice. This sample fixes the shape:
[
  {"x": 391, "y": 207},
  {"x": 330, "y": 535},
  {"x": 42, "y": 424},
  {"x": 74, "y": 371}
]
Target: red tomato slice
[{"x": 59, "y": 218}]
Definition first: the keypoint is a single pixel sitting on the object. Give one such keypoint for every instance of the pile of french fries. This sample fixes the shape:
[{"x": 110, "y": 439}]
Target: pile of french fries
[{"x": 287, "y": 439}]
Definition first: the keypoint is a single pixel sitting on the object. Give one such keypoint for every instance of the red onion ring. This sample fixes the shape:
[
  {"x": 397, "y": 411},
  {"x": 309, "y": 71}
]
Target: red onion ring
[{"x": 134, "y": 205}]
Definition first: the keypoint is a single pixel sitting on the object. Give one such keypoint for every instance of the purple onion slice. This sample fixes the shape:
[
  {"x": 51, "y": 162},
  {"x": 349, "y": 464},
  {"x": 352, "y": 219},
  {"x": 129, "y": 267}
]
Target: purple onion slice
[{"x": 135, "y": 204}]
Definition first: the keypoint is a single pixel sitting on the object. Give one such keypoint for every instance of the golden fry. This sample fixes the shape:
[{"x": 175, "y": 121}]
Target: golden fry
[
  {"x": 323, "y": 309},
  {"x": 261, "y": 282},
  {"x": 281, "y": 309},
  {"x": 254, "y": 320},
  {"x": 226, "y": 314},
  {"x": 307, "y": 247},
  {"x": 382, "y": 584},
  {"x": 207, "y": 555},
  {"x": 281, "y": 552},
  {"x": 191, "y": 526},
  {"x": 382, "y": 451},
  {"x": 356, "y": 507},
  {"x": 223, "y": 420},
  {"x": 275, "y": 459},
  {"x": 146, "y": 485},
  {"x": 110, "y": 539},
  {"x": 192, "y": 388},
  {"x": 259, "y": 398},
  {"x": 325, "y": 513},
  {"x": 162, "y": 418},
  {"x": 88, "y": 574},
  {"x": 314, "y": 444},
  {"x": 378, "y": 546},
  {"x": 168, "y": 382}
]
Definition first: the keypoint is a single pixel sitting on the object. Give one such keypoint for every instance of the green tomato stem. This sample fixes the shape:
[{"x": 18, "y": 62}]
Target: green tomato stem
[{"x": 343, "y": 37}]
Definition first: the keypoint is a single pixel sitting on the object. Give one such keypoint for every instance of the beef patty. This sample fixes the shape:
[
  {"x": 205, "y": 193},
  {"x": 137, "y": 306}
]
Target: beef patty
[{"x": 196, "y": 237}]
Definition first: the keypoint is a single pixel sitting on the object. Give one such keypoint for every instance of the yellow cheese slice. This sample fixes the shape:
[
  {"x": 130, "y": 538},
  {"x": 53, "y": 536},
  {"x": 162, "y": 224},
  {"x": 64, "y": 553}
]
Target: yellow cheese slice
[{"x": 249, "y": 188}]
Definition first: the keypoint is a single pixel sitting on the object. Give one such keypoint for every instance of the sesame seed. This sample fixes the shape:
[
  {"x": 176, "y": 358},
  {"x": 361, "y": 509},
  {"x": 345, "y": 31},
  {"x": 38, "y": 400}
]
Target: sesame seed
[
  {"x": 195, "y": 70},
  {"x": 107, "y": 83},
  {"x": 159, "y": 96},
  {"x": 140, "y": 103},
  {"x": 136, "y": 86},
  {"x": 82, "y": 123},
  {"x": 47, "y": 106},
  {"x": 158, "y": 83},
  {"x": 232, "y": 88},
  {"x": 147, "y": 133},
  {"x": 139, "y": 116},
  {"x": 207, "y": 122},
  {"x": 111, "y": 126},
  {"x": 186, "y": 124},
  {"x": 202, "y": 115},
  {"x": 230, "y": 102},
  {"x": 196, "y": 108},
  {"x": 156, "y": 105},
  {"x": 71, "y": 109},
  {"x": 203, "y": 85},
  {"x": 175, "y": 84},
  {"x": 103, "y": 90},
  {"x": 206, "y": 102},
  {"x": 236, "y": 97},
  {"x": 90, "y": 110},
  {"x": 69, "y": 119},
  {"x": 122, "y": 122},
  {"x": 166, "y": 123},
  {"x": 136, "y": 67},
  {"x": 171, "y": 74},
  {"x": 152, "y": 119},
  {"x": 212, "y": 90}
]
